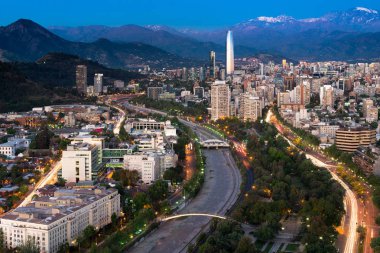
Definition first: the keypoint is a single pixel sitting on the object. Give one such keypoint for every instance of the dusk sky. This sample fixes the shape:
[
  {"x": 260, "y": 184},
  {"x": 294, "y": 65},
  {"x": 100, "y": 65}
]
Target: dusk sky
[{"x": 176, "y": 13}]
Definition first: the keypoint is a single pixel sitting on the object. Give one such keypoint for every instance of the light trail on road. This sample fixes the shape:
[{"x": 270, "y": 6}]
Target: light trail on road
[
  {"x": 350, "y": 196},
  {"x": 43, "y": 181}
]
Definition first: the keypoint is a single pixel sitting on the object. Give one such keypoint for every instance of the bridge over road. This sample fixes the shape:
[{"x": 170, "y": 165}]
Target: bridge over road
[{"x": 214, "y": 143}]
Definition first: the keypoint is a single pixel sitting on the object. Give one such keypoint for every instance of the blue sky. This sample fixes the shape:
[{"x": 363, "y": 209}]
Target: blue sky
[{"x": 177, "y": 13}]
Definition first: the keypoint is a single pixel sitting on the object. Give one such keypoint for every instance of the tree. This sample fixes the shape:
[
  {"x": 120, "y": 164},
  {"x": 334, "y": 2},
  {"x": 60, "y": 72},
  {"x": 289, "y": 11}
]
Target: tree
[
  {"x": 246, "y": 246},
  {"x": 114, "y": 219},
  {"x": 158, "y": 191},
  {"x": 42, "y": 139},
  {"x": 375, "y": 244},
  {"x": 23, "y": 189},
  {"x": 50, "y": 118},
  {"x": 89, "y": 232},
  {"x": 64, "y": 248},
  {"x": 175, "y": 175},
  {"x": 61, "y": 182},
  {"x": 11, "y": 131},
  {"x": 1, "y": 239},
  {"x": 29, "y": 247},
  {"x": 140, "y": 200}
]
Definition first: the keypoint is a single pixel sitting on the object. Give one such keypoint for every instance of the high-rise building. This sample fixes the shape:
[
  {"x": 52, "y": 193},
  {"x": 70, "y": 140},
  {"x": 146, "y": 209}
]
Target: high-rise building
[
  {"x": 289, "y": 82},
  {"x": 201, "y": 74},
  {"x": 154, "y": 92},
  {"x": 212, "y": 64},
  {"x": 261, "y": 69},
  {"x": 283, "y": 98},
  {"x": 81, "y": 79},
  {"x": 326, "y": 95},
  {"x": 230, "y": 58},
  {"x": 250, "y": 107},
  {"x": 98, "y": 83},
  {"x": 370, "y": 112},
  {"x": 222, "y": 74},
  {"x": 220, "y": 100},
  {"x": 184, "y": 74},
  {"x": 80, "y": 162},
  {"x": 301, "y": 94},
  {"x": 284, "y": 64}
]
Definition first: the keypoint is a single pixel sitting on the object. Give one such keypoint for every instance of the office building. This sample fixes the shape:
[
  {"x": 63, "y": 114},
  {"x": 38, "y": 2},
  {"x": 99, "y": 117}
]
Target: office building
[
  {"x": 230, "y": 58},
  {"x": 154, "y": 92},
  {"x": 53, "y": 221},
  {"x": 220, "y": 100},
  {"x": 80, "y": 162},
  {"x": 201, "y": 74},
  {"x": 212, "y": 64},
  {"x": 98, "y": 83},
  {"x": 81, "y": 79},
  {"x": 350, "y": 139}
]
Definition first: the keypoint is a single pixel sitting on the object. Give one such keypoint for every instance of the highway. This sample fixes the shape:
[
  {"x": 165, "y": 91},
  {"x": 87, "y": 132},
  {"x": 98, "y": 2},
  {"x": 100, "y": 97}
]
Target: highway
[
  {"x": 116, "y": 130},
  {"x": 46, "y": 179},
  {"x": 351, "y": 202},
  {"x": 218, "y": 194}
]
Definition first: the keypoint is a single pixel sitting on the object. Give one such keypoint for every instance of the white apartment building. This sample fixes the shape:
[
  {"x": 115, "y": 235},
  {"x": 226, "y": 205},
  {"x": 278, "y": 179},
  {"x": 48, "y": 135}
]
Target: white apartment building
[
  {"x": 220, "y": 100},
  {"x": 250, "y": 107},
  {"x": 146, "y": 164},
  {"x": 150, "y": 165},
  {"x": 283, "y": 98},
  {"x": 80, "y": 162},
  {"x": 53, "y": 221},
  {"x": 326, "y": 95},
  {"x": 9, "y": 148},
  {"x": 328, "y": 130},
  {"x": 370, "y": 112}
]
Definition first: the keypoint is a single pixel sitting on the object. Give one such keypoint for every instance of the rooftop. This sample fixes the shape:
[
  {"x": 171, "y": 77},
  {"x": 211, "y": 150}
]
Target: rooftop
[{"x": 46, "y": 210}]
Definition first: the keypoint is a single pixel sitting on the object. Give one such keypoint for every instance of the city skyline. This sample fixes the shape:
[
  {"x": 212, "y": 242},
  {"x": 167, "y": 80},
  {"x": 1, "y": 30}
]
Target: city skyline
[{"x": 164, "y": 13}]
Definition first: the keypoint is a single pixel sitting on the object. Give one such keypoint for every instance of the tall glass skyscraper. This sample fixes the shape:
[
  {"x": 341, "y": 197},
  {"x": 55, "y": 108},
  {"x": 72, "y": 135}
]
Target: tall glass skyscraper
[
  {"x": 230, "y": 62},
  {"x": 212, "y": 64}
]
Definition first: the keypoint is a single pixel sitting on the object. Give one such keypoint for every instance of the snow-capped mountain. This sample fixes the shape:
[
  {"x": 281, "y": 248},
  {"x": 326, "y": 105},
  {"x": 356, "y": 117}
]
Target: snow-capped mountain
[{"x": 356, "y": 19}]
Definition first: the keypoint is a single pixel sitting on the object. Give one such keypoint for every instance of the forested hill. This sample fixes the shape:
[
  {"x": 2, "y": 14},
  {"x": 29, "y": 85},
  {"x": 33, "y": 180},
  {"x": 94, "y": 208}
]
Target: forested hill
[
  {"x": 58, "y": 70},
  {"x": 20, "y": 94}
]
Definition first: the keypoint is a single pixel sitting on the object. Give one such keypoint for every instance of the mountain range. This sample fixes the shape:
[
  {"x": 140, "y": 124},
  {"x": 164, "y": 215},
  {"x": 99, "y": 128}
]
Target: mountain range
[
  {"x": 25, "y": 40},
  {"x": 351, "y": 35}
]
